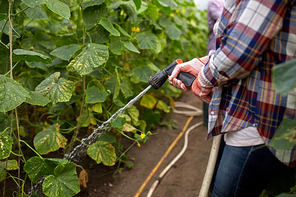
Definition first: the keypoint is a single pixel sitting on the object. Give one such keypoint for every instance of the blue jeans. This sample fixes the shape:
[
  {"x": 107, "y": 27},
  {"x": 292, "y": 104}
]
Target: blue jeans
[{"x": 245, "y": 171}]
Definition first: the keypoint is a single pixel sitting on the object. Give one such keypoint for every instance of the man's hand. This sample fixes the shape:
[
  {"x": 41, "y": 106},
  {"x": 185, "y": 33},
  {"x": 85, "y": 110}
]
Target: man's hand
[{"x": 193, "y": 67}]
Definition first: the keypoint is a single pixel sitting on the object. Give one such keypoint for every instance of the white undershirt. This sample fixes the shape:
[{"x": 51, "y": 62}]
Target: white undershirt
[{"x": 246, "y": 137}]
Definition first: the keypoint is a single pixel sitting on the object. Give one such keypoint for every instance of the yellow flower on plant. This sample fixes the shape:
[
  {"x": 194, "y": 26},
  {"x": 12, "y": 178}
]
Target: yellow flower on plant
[
  {"x": 135, "y": 29},
  {"x": 177, "y": 11},
  {"x": 172, "y": 15},
  {"x": 139, "y": 145},
  {"x": 183, "y": 10},
  {"x": 142, "y": 135}
]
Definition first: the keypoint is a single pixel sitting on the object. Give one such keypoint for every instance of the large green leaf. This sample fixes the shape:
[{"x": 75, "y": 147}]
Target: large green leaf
[
  {"x": 59, "y": 8},
  {"x": 12, "y": 94},
  {"x": 6, "y": 145},
  {"x": 90, "y": 58},
  {"x": 143, "y": 73},
  {"x": 11, "y": 165},
  {"x": 37, "y": 167},
  {"x": 138, "y": 3},
  {"x": 63, "y": 183},
  {"x": 94, "y": 95},
  {"x": 49, "y": 140},
  {"x": 92, "y": 15},
  {"x": 37, "y": 12},
  {"x": 173, "y": 32},
  {"x": 147, "y": 40},
  {"x": 105, "y": 22},
  {"x": 65, "y": 52},
  {"x": 57, "y": 90},
  {"x": 32, "y": 56},
  {"x": 126, "y": 87},
  {"x": 285, "y": 136},
  {"x": 37, "y": 99},
  {"x": 116, "y": 46},
  {"x": 102, "y": 152},
  {"x": 283, "y": 76}
]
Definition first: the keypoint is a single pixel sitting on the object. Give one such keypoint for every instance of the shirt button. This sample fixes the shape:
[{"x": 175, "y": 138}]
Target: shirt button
[{"x": 212, "y": 112}]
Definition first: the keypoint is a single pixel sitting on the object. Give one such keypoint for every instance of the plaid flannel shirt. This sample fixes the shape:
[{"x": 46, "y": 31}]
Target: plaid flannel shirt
[{"x": 252, "y": 36}]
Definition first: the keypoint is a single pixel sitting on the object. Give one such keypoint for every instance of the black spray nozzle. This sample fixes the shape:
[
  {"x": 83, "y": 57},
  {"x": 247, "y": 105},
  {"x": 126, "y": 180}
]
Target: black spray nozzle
[{"x": 158, "y": 79}]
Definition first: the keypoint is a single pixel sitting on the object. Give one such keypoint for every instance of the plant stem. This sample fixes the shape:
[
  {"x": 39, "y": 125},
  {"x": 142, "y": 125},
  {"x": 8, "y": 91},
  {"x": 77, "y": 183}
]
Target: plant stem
[
  {"x": 78, "y": 124},
  {"x": 32, "y": 149}
]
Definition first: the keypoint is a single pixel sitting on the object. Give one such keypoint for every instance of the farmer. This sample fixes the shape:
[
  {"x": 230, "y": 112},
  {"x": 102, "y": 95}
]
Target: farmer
[{"x": 253, "y": 37}]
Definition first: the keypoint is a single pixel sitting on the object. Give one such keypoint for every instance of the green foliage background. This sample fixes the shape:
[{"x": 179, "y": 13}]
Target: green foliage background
[{"x": 75, "y": 63}]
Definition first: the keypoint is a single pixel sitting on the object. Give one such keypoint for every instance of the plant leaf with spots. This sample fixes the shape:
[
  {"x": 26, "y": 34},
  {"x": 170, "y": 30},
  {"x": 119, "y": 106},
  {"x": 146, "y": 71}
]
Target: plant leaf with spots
[
  {"x": 63, "y": 182},
  {"x": 102, "y": 152},
  {"x": 5, "y": 145},
  {"x": 37, "y": 167},
  {"x": 91, "y": 57},
  {"x": 148, "y": 101},
  {"x": 37, "y": 99},
  {"x": 12, "y": 94},
  {"x": 55, "y": 88},
  {"x": 49, "y": 140},
  {"x": 11, "y": 165}
]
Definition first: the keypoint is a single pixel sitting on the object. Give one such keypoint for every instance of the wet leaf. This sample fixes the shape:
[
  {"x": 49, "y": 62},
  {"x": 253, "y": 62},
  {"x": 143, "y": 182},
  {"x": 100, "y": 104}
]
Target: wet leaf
[
  {"x": 118, "y": 123},
  {"x": 12, "y": 94},
  {"x": 102, "y": 152},
  {"x": 32, "y": 56},
  {"x": 91, "y": 57},
  {"x": 105, "y": 22},
  {"x": 134, "y": 113},
  {"x": 11, "y": 165},
  {"x": 63, "y": 183},
  {"x": 147, "y": 40},
  {"x": 148, "y": 101},
  {"x": 65, "y": 52},
  {"x": 37, "y": 167},
  {"x": 37, "y": 99},
  {"x": 94, "y": 95},
  {"x": 128, "y": 128},
  {"x": 49, "y": 140},
  {"x": 5, "y": 145},
  {"x": 55, "y": 88}
]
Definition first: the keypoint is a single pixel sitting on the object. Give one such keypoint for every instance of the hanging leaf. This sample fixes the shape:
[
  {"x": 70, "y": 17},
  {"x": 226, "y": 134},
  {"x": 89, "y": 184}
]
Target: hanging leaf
[
  {"x": 90, "y": 58},
  {"x": 143, "y": 73},
  {"x": 122, "y": 30},
  {"x": 6, "y": 145},
  {"x": 105, "y": 22},
  {"x": 11, "y": 165},
  {"x": 94, "y": 95},
  {"x": 126, "y": 87},
  {"x": 12, "y": 94},
  {"x": 285, "y": 136},
  {"x": 92, "y": 15},
  {"x": 147, "y": 40},
  {"x": 49, "y": 140},
  {"x": 128, "y": 45},
  {"x": 39, "y": 65},
  {"x": 97, "y": 108},
  {"x": 59, "y": 8},
  {"x": 65, "y": 52},
  {"x": 63, "y": 183},
  {"x": 57, "y": 90},
  {"x": 32, "y": 56},
  {"x": 116, "y": 46},
  {"x": 37, "y": 167},
  {"x": 102, "y": 152},
  {"x": 128, "y": 128},
  {"x": 283, "y": 77},
  {"x": 134, "y": 113},
  {"x": 113, "y": 86},
  {"x": 37, "y": 99},
  {"x": 148, "y": 101}
]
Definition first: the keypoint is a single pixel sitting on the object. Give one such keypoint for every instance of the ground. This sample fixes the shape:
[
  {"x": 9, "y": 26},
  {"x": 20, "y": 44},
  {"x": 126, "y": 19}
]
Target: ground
[{"x": 184, "y": 179}]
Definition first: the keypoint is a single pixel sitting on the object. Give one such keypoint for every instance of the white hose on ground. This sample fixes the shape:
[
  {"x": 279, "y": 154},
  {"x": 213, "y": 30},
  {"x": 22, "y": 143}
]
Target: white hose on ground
[
  {"x": 212, "y": 158},
  {"x": 203, "y": 192}
]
